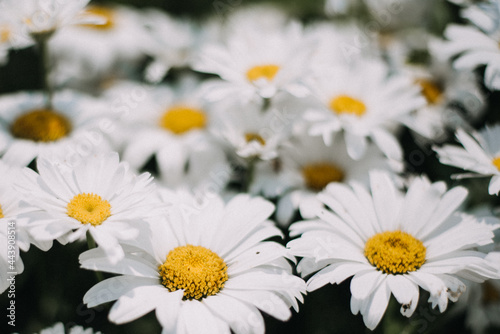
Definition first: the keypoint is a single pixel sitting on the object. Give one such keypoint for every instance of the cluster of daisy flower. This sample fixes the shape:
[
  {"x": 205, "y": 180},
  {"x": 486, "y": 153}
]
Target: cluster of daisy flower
[{"x": 222, "y": 168}]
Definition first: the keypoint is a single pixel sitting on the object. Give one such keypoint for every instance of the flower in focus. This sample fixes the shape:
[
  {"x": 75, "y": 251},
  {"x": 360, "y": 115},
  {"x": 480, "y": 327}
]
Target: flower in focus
[
  {"x": 393, "y": 243},
  {"x": 364, "y": 102},
  {"x": 254, "y": 63},
  {"x": 480, "y": 154},
  {"x": 206, "y": 270},
  {"x": 99, "y": 195}
]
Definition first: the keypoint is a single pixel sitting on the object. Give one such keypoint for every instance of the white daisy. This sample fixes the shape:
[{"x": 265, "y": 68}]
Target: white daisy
[
  {"x": 90, "y": 52},
  {"x": 475, "y": 45},
  {"x": 454, "y": 98},
  {"x": 365, "y": 102},
  {"x": 74, "y": 129},
  {"x": 480, "y": 154},
  {"x": 99, "y": 195},
  {"x": 206, "y": 270},
  {"x": 255, "y": 63},
  {"x": 306, "y": 166},
  {"x": 172, "y": 125},
  {"x": 393, "y": 244},
  {"x": 45, "y": 17}
]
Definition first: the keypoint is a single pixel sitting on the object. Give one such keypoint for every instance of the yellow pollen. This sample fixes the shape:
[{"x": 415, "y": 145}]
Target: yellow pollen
[
  {"x": 89, "y": 209},
  {"x": 41, "y": 125},
  {"x": 251, "y": 136},
  {"x": 344, "y": 104},
  {"x": 262, "y": 71},
  {"x": 318, "y": 175},
  {"x": 431, "y": 91},
  {"x": 106, "y": 14},
  {"x": 496, "y": 162},
  {"x": 195, "y": 269},
  {"x": 180, "y": 119},
  {"x": 395, "y": 252},
  {"x": 5, "y": 34},
  {"x": 1, "y": 212}
]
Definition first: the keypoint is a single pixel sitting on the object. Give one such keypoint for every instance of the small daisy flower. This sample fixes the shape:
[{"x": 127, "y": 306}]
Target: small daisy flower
[
  {"x": 475, "y": 44},
  {"x": 89, "y": 52},
  {"x": 454, "y": 98},
  {"x": 365, "y": 102},
  {"x": 306, "y": 167},
  {"x": 173, "y": 126},
  {"x": 254, "y": 63},
  {"x": 480, "y": 154},
  {"x": 207, "y": 270},
  {"x": 393, "y": 243},
  {"x": 99, "y": 195},
  {"x": 74, "y": 128},
  {"x": 250, "y": 132}
]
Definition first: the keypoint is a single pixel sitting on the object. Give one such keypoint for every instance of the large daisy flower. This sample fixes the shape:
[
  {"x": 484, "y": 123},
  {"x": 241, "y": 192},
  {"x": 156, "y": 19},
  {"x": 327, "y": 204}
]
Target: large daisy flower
[
  {"x": 73, "y": 129},
  {"x": 99, "y": 195},
  {"x": 391, "y": 243},
  {"x": 173, "y": 126},
  {"x": 480, "y": 154},
  {"x": 365, "y": 102},
  {"x": 207, "y": 270},
  {"x": 254, "y": 63}
]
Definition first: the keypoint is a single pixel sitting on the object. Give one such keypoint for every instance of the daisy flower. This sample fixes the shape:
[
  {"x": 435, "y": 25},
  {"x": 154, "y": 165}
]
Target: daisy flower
[
  {"x": 306, "y": 166},
  {"x": 475, "y": 44},
  {"x": 90, "y": 51},
  {"x": 393, "y": 243},
  {"x": 206, "y": 270},
  {"x": 480, "y": 154},
  {"x": 365, "y": 102},
  {"x": 254, "y": 63},
  {"x": 173, "y": 126},
  {"x": 75, "y": 127},
  {"x": 99, "y": 195}
]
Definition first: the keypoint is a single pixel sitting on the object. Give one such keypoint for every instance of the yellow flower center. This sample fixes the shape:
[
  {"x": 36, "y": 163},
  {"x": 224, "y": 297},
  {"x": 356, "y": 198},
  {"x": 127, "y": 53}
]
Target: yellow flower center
[
  {"x": 89, "y": 209},
  {"x": 1, "y": 212},
  {"x": 431, "y": 91},
  {"x": 344, "y": 104},
  {"x": 5, "y": 34},
  {"x": 496, "y": 162},
  {"x": 180, "y": 119},
  {"x": 318, "y": 175},
  {"x": 41, "y": 125},
  {"x": 262, "y": 71},
  {"x": 395, "y": 252},
  {"x": 251, "y": 136},
  {"x": 105, "y": 14},
  {"x": 195, "y": 269}
]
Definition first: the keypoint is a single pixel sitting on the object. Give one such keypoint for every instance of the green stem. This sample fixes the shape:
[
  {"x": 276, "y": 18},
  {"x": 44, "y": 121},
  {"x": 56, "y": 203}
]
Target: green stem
[
  {"x": 247, "y": 181},
  {"x": 42, "y": 40},
  {"x": 266, "y": 104},
  {"x": 91, "y": 244}
]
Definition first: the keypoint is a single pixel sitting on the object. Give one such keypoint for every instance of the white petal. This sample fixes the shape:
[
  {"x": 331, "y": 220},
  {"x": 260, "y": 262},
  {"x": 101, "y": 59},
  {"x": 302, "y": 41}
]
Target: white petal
[
  {"x": 406, "y": 293},
  {"x": 136, "y": 303}
]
